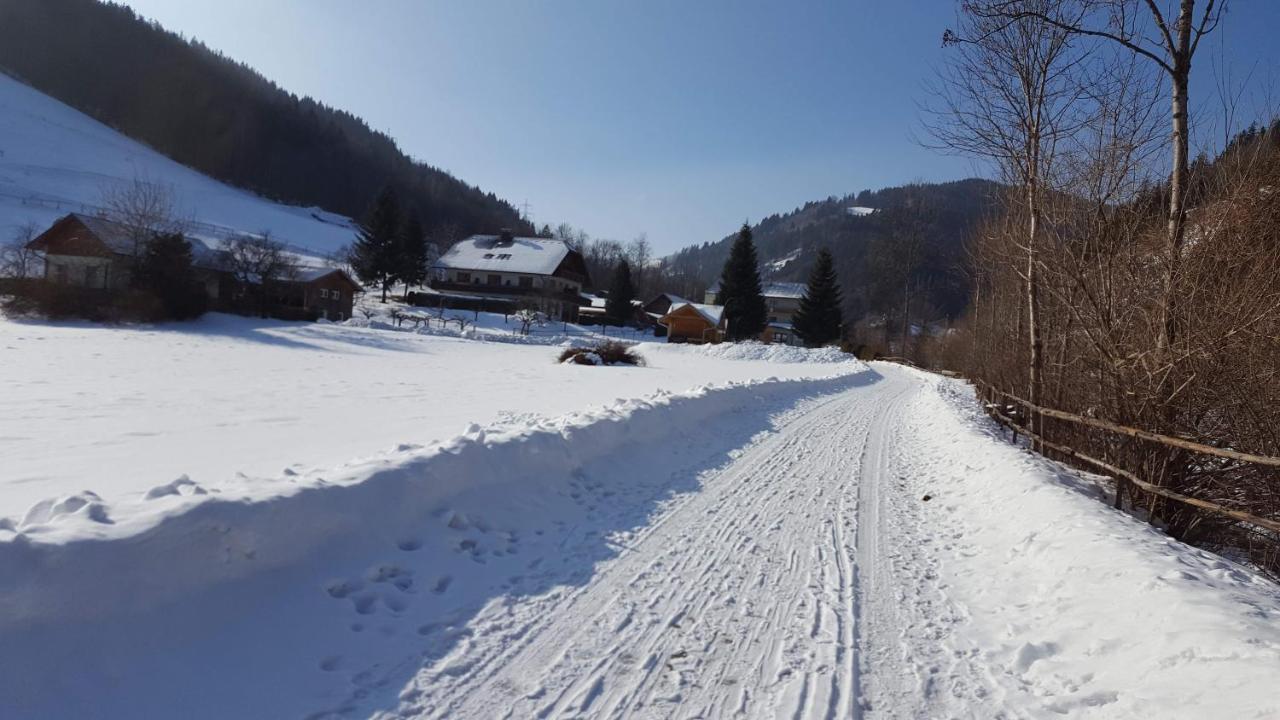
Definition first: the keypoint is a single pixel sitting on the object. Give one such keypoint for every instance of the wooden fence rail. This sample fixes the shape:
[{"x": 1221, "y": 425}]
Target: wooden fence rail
[{"x": 1122, "y": 475}]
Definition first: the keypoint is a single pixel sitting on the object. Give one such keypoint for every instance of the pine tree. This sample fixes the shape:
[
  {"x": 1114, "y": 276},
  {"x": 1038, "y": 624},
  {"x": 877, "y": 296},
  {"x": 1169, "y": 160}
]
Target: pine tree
[
  {"x": 740, "y": 292},
  {"x": 374, "y": 255},
  {"x": 819, "y": 320},
  {"x": 165, "y": 271},
  {"x": 411, "y": 258},
  {"x": 617, "y": 308}
]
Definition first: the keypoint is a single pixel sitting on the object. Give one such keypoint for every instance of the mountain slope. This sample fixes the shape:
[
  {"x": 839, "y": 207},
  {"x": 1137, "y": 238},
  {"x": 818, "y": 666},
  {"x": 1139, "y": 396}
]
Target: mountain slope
[
  {"x": 223, "y": 118},
  {"x": 851, "y": 227},
  {"x": 55, "y": 160}
]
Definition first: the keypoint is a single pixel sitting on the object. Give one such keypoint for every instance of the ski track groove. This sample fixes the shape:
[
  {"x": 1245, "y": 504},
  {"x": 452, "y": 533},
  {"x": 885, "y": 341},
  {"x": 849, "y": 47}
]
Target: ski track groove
[{"x": 767, "y": 593}]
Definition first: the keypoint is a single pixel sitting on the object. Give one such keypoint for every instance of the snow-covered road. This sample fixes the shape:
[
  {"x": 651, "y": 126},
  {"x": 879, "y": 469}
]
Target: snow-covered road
[
  {"x": 806, "y": 580},
  {"x": 741, "y": 601},
  {"x": 756, "y": 552}
]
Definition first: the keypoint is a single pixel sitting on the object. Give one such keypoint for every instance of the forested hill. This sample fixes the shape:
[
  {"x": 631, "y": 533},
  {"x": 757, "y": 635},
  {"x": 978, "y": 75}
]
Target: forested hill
[
  {"x": 867, "y": 246},
  {"x": 224, "y": 119}
]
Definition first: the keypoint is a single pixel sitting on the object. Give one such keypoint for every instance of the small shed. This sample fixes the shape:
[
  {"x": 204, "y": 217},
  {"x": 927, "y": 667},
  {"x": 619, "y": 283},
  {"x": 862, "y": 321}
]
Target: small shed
[{"x": 694, "y": 323}]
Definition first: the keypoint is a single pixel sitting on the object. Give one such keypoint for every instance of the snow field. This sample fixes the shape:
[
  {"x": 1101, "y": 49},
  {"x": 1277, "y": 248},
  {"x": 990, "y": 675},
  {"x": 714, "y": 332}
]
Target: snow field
[
  {"x": 232, "y": 404},
  {"x": 325, "y": 595}
]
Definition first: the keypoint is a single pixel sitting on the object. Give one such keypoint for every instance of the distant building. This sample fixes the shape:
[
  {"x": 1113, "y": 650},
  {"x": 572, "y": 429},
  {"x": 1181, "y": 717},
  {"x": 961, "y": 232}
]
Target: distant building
[
  {"x": 96, "y": 253},
  {"x": 663, "y": 303},
  {"x": 694, "y": 323},
  {"x": 782, "y": 299},
  {"x": 99, "y": 254},
  {"x": 511, "y": 271}
]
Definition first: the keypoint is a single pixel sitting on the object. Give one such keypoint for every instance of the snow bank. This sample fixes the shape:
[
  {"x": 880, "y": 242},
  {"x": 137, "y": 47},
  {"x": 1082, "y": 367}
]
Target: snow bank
[
  {"x": 1095, "y": 615},
  {"x": 769, "y": 353},
  {"x": 60, "y": 554},
  {"x": 255, "y": 587}
]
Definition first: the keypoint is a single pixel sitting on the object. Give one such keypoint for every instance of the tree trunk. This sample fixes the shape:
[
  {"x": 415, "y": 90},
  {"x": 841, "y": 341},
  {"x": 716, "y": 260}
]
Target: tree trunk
[
  {"x": 1036, "y": 365},
  {"x": 906, "y": 316},
  {"x": 1179, "y": 78}
]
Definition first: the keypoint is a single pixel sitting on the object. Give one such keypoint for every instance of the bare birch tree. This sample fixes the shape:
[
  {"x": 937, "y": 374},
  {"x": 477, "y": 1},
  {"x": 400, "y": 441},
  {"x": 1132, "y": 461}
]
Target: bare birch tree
[
  {"x": 1177, "y": 36},
  {"x": 1010, "y": 95}
]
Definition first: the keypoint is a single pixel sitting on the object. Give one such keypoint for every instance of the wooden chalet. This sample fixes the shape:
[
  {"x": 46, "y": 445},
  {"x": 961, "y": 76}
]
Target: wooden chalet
[{"x": 694, "y": 323}]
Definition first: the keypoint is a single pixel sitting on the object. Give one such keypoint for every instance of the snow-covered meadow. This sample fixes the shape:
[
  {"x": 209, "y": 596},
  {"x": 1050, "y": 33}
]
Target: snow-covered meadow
[{"x": 121, "y": 411}]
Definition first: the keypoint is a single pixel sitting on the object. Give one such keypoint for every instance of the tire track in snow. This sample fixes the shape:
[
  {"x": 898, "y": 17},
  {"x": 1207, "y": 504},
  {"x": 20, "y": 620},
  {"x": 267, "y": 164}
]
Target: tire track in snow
[{"x": 743, "y": 600}]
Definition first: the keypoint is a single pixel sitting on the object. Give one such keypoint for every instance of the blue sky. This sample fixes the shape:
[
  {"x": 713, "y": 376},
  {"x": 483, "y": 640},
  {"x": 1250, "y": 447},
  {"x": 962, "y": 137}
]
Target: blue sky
[{"x": 676, "y": 118}]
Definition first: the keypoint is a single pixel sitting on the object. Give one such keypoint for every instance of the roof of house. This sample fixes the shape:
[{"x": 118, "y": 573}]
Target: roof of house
[
  {"x": 710, "y": 313},
  {"x": 311, "y": 274},
  {"x": 119, "y": 238},
  {"x": 671, "y": 297},
  {"x": 793, "y": 290},
  {"x": 534, "y": 256}
]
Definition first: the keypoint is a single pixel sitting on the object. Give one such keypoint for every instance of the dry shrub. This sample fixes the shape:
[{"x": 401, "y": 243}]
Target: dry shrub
[
  {"x": 608, "y": 352},
  {"x": 1219, "y": 384}
]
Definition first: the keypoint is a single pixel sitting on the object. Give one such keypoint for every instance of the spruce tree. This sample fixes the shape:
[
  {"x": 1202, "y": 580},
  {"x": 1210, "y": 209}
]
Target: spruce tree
[
  {"x": 375, "y": 253},
  {"x": 165, "y": 270},
  {"x": 618, "y": 308},
  {"x": 411, "y": 258},
  {"x": 819, "y": 320},
  {"x": 740, "y": 292}
]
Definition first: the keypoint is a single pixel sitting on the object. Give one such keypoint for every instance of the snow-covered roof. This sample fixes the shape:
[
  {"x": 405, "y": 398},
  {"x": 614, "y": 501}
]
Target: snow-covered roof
[
  {"x": 710, "y": 313},
  {"x": 308, "y": 274},
  {"x": 772, "y": 289},
  {"x": 860, "y": 211},
  {"x": 119, "y": 238},
  {"x": 784, "y": 290},
  {"x": 535, "y": 256}
]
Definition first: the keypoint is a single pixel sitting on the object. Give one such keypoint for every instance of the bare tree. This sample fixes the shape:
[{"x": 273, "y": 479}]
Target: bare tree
[
  {"x": 258, "y": 263},
  {"x": 1010, "y": 95},
  {"x": 528, "y": 317},
  {"x": 639, "y": 254},
  {"x": 17, "y": 261},
  {"x": 897, "y": 258},
  {"x": 145, "y": 208},
  {"x": 1177, "y": 36}
]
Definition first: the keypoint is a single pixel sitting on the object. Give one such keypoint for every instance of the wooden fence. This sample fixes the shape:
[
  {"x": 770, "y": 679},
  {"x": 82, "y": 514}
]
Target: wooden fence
[{"x": 1008, "y": 409}]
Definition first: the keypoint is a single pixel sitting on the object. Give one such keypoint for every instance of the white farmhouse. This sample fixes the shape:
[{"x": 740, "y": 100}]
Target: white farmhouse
[{"x": 508, "y": 271}]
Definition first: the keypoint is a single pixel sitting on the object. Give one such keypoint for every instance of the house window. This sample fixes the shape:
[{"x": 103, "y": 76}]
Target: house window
[
  {"x": 504, "y": 256},
  {"x": 526, "y": 282},
  {"x": 324, "y": 294},
  {"x": 91, "y": 277},
  {"x": 60, "y": 273},
  {"x": 495, "y": 280},
  {"x": 464, "y": 277},
  {"x": 335, "y": 294}
]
